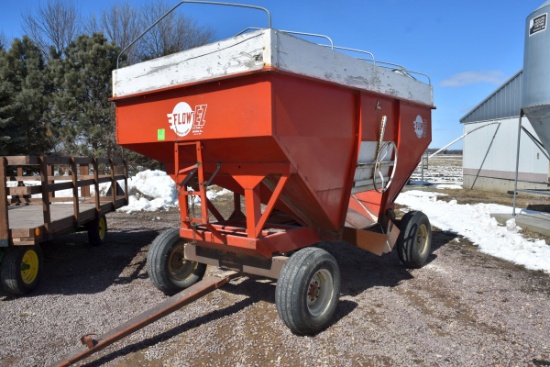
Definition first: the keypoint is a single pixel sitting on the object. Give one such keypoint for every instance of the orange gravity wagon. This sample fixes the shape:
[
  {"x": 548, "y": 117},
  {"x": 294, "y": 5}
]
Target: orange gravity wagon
[{"x": 314, "y": 144}]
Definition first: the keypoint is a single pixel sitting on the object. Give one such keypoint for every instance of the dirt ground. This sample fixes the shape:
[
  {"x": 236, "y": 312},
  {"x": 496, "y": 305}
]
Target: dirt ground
[{"x": 463, "y": 308}]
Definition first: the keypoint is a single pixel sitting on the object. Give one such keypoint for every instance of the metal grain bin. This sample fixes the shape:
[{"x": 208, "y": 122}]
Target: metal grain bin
[{"x": 536, "y": 86}]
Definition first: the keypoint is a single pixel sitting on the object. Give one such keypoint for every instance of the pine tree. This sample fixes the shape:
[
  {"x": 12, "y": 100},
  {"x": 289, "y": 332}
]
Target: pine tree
[
  {"x": 81, "y": 112},
  {"x": 23, "y": 100},
  {"x": 6, "y": 118}
]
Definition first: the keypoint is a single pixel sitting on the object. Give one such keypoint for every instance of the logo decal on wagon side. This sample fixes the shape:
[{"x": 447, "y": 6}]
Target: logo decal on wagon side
[
  {"x": 184, "y": 119},
  {"x": 420, "y": 127}
]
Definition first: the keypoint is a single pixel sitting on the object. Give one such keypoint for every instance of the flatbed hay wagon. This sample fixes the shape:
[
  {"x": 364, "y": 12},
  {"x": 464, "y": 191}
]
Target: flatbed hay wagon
[
  {"x": 315, "y": 146},
  {"x": 49, "y": 196}
]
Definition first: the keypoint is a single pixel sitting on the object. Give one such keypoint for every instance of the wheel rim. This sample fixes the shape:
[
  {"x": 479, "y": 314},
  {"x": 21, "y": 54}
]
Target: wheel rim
[
  {"x": 29, "y": 266},
  {"x": 179, "y": 268},
  {"x": 319, "y": 292},
  {"x": 102, "y": 227},
  {"x": 422, "y": 239}
]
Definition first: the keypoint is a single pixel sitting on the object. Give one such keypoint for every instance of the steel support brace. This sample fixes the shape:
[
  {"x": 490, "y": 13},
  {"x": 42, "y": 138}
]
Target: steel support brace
[
  {"x": 255, "y": 219},
  {"x": 174, "y": 303}
]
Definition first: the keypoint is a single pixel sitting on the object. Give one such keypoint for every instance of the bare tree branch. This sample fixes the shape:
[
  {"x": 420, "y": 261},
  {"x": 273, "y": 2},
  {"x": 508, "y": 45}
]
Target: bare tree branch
[
  {"x": 56, "y": 24},
  {"x": 121, "y": 25},
  {"x": 175, "y": 33}
]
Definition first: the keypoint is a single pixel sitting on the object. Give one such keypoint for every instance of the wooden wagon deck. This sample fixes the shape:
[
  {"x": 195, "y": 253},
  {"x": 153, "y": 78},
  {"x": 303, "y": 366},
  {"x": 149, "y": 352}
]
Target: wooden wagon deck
[{"x": 33, "y": 211}]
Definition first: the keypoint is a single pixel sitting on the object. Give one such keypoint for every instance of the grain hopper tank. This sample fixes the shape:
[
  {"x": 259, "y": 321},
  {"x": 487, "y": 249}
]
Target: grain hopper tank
[
  {"x": 314, "y": 144},
  {"x": 536, "y": 71}
]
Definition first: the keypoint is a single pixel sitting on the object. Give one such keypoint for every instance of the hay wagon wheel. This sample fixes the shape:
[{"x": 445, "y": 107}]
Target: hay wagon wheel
[{"x": 21, "y": 269}]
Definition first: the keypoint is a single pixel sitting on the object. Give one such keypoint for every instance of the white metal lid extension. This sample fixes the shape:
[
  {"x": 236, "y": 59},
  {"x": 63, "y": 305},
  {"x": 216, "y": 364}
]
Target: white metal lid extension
[{"x": 255, "y": 49}]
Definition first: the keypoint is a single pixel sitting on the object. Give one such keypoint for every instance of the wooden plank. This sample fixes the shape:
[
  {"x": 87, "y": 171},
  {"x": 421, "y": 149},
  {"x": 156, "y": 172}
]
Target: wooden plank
[
  {"x": 83, "y": 160},
  {"x": 4, "y": 227},
  {"x": 30, "y": 216},
  {"x": 57, "y": 160},
  {"x": 113, "y": 184},
  {"x": 61, "y": 199},
  {"x": 59, "y": 178},
  {"x": 24, "y": 190},
  {"x": 61, "y": 225},
  {"x": 83, "y": 173},
  {"x": 96, "y": 184},
  {"x": 22, "y": 232},
  {"x": 87, "y": 216},
  {"x": 24, "y": 178},
  {"x": 49, "y": 172},
  {"x": 22, "y": 160},
  {"x": 102, "y": 160},
  {"x": 44, "y": 174},
  {"x": 85, "y": 182},
  {"x": 75, "y": 189},
  {"x": 60, "y": 186},
  {"x": 104, "y": 179}
]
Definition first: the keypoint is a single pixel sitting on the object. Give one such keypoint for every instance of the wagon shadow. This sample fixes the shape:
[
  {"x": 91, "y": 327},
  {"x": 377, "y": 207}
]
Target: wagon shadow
[
  {"x": 359, "y": 270},
  {"x": 72, "y": 266}
]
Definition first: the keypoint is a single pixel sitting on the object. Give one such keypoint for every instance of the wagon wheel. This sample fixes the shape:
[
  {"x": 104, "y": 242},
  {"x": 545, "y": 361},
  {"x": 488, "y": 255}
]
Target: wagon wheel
[
  {"x": 415, "y": 239},
  {"x": 166, "y": 264},
  {"x": 97, "y": 231},
  {"x": 307, "y": 291},
  {"x": 21, "y": 269},
  {"x": 388, "y": 148}
]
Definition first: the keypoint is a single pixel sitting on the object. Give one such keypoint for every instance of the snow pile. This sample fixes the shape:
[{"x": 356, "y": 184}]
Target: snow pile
[
  {"x": 150, "y": 191},
  {"x": 155, "y": 190},
  {"x": 475, "y": 223}
]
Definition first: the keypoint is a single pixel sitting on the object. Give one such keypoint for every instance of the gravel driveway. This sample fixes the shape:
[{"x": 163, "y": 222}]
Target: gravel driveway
[{"x": 463, "y": 309}]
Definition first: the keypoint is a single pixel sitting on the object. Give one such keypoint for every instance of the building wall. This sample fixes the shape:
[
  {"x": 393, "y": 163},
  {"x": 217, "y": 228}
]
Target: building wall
[{"x": 489, "y": 161}]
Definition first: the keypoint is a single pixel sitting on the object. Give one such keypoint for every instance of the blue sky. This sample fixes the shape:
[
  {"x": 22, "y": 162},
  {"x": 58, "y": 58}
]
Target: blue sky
[{"x": 469, "y": 48}]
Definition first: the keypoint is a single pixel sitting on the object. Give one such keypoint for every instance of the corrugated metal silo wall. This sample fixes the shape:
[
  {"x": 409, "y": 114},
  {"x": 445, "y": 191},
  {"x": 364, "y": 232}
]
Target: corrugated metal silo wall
[{"x": 536, "y": 73}]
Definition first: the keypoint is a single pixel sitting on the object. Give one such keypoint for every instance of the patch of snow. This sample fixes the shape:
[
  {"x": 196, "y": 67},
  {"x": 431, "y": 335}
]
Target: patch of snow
[{"x": 474, "y": 222}]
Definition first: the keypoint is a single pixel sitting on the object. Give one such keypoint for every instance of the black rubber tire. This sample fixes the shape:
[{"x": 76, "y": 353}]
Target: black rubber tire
[
  {"x": 97, "y": 231},
  {"x": 167, "y": 268},
  {"x": 415, "y": 240},
  {"x": 300, "y": 276},
  {"x": 21, "y": 269}
]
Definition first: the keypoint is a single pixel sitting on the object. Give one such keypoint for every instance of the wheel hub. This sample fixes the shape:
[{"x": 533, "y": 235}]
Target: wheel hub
[
  {"x": 422, "y": 239},
  {"x": 319, "y": 292},
  {"x": 178, "y": 267},
  {"x": 314, "y": 291},
  {"x": 29, "y": 266}
]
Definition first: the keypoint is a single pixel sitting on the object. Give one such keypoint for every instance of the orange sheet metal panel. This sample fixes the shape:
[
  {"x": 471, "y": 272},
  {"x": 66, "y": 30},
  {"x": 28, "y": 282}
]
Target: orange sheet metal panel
[
  {"x": 409, "y": 126},
  {"x": 264, "y": 118},
  {"x": 307, "y": 129},
  {"x": 234, "y": 108},
  {"x": 315, "y": 125}
]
